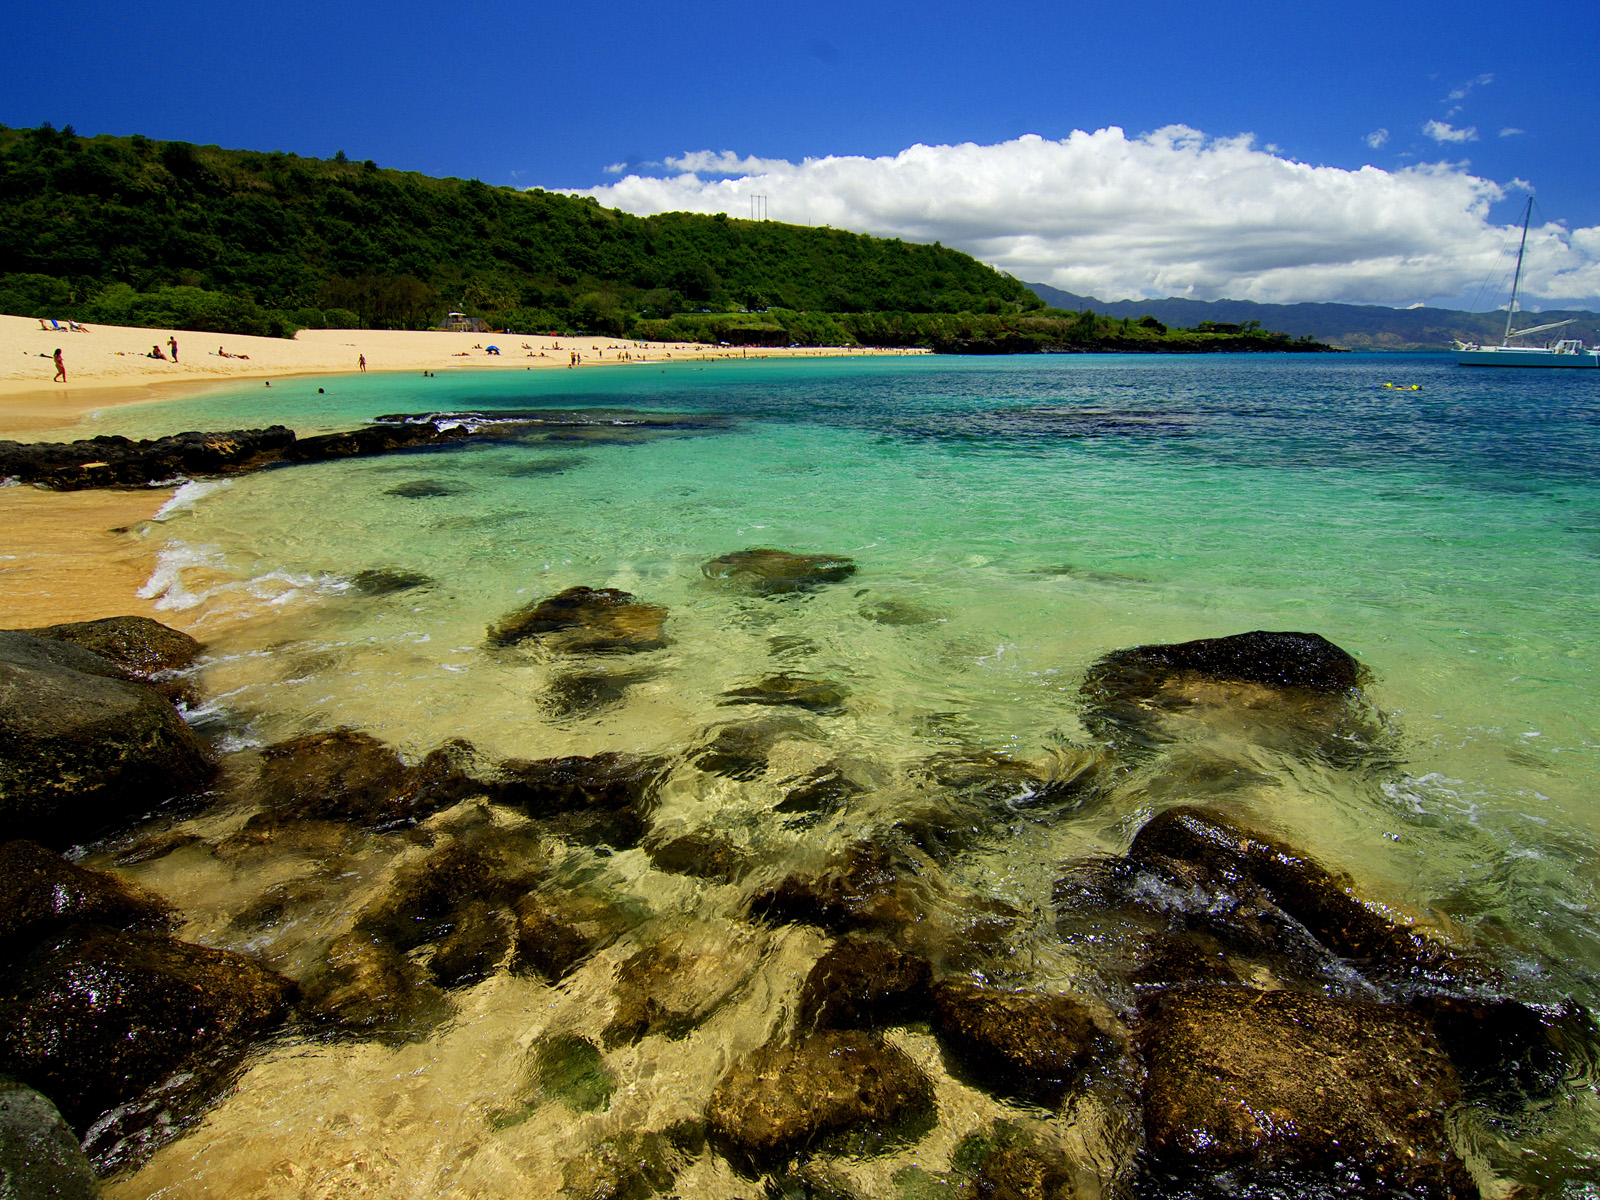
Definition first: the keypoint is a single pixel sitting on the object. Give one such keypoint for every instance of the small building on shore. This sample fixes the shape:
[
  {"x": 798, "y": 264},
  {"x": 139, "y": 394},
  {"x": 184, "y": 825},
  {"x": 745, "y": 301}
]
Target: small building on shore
[{"x": 461, "y": 323}]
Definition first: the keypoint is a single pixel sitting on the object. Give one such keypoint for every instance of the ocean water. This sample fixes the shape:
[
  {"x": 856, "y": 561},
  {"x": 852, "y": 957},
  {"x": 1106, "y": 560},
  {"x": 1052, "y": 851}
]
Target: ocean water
[{"x": 1012, "y": 520}]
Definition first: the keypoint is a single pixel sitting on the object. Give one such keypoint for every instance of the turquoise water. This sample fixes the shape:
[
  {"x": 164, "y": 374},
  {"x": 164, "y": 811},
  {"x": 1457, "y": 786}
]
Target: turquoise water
[{"x": 1012, "y": 520}]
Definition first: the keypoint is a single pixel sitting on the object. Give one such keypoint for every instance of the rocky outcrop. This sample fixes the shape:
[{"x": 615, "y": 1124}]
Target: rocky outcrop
[
  {"x": 1259, "y": 1090},
  {"x": 41, "y": 891},
  {"x": 865, "y": 887},
  {"x": 862, "y": 982},
  {"x": 708, "y": 856},
  {"x": 95, "y": 1018},
  {"x": 584, "y": 620},
  {"x": 347, "y": 775},
  {"x": 672, "y": 985},
  {"x": 39, "y": 1154},
  {"x": 136, "y": 644},
  {"x": 83, "y": 744},
  {"x": 766, "y": 572},
  {"x": 109, "y": 461},
  {"x": 785, "y": 1096}
]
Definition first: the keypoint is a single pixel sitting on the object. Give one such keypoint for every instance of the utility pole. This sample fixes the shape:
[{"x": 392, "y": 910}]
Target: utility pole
[{"x": 758, "y": 207}]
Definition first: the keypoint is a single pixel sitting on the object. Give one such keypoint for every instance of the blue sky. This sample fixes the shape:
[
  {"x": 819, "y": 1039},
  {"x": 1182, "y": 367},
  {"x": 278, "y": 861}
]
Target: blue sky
[{"x": 553, "y": 95}]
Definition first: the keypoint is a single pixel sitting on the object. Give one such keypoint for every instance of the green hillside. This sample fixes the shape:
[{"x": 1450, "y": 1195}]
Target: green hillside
[{"x": 138, "y": 231}]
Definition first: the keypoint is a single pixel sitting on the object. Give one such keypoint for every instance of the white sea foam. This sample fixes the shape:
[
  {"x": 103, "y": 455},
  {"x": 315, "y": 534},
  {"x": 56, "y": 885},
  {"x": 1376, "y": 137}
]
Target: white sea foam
[
  {"x": 189, "y": 495},
  {"x": 273, "y": 589}
]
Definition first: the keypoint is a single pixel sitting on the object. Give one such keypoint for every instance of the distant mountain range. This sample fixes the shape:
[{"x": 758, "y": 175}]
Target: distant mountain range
[{"x": 1350, "y": 326}]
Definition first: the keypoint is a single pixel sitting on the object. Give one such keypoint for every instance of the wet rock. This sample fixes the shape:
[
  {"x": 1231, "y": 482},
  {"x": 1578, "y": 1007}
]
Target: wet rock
[
  {"x": 1008, "y": 1161},
  {"x": 1198, "y": 847},
  {"x": 83, "y": 745},
  {"x": 800, "y": 691},
  {"x": 1509, "y": 1054},
  {"x": 39, "y": 1153},
  {"x": 630, "y": 1166},
  {"x": 866, "y": 887},
  {"x": 1299, "y": 680},
  {"x": 703, "y": 855},
  {"x": 735, "y": 752},
  {"x": 40, "y": 890},
  {"x": 766, "y": 572},
  {"x": 93, "y": 1017},
  {"x": 382, "y": 438},
  {"x": 785, "y": 1096},
  {"x": 1251, "y": 1091},
  {"x": 387, "y": 581},
  {"x": 423, "y": 489},
  {"x": 137, "y": 644},
  {"x": 571, "y": 1070},
  {"x": 604, "y": 798},
  {"x": 584, "y": 693},
  {"x": 1184, "y": 957},
  {"x": 824, "y": 790},
  {"x": 862, "y": 982},
  {"x": 1028, "y": 1044},
  {"x": 347, "y": 775},
  {"x": 120, "y": 461},
  {"x": 156, "y": 846},
  {"x": 365, "y": 986},
  {"x": 473, "y": 948},
  {"x": 672, "y": 986},
  {"x": 584, "y": 620},
  {"x": 898, "y": 612}
]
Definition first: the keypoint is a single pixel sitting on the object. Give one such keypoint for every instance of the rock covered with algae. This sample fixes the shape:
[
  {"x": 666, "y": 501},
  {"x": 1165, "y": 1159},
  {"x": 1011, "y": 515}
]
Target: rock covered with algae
[
  {"x": 763, "y": 571},
  {"x": 585, "y": 620}
]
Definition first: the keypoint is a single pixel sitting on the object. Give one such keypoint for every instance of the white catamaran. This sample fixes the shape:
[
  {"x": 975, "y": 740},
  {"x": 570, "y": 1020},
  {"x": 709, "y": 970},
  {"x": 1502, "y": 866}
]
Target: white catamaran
[{"x": 1569, "y": 352}]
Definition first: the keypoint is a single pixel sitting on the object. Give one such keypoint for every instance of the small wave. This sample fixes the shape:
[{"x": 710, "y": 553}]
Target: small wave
[
  {"x": 275, "y": 589},
  {"x": 189, "y": 495}
]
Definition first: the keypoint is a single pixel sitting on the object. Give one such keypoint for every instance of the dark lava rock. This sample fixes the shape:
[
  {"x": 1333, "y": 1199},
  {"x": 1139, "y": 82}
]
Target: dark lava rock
[
  {"x": 82, "y": 744},
  {"x": 39, "y": 1153},
  {"x": 814, "y": 695},
  {"x": 136, "y": 644},
  {"x": 765, "y": 572},
  {"x": 423, "y": 489},
  {"x": 1261, "y": 1093},
  {"x": 120, "y": 461},
  {"x": 865, "y": 887},
  {"x": 584, "y": 620},
  {"x": 93, "y": 1017},
  {"x": 347, "y": 775},
  {"x": 1028, "y": 1044},
  {"x": 382, "y": 438},
  {"x": 1299, "y": 677},
  {"x": 1237, "y": 862},
  {"x": 386, "y": 581},
  {"x": 703, "y": 855},
  {"x": 784, "y": 1096},
  {"x": 862, "y": 982},
  {"x": 365, "y": 986},
  {"x": 605, "y": 798},
  {"x": 40, "y": 890}
]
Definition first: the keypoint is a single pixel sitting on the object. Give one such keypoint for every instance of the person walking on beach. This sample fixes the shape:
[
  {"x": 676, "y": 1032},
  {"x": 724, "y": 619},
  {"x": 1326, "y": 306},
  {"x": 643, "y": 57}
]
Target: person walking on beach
[
  {"x": 172, "y": 344},
  {"x": 361, "y": 359},
  {"x": 61, "y": 369}
]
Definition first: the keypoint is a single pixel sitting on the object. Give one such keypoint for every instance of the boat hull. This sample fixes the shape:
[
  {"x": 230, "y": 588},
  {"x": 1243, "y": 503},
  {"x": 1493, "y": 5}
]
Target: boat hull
[{"x": 1497, "y": 357}]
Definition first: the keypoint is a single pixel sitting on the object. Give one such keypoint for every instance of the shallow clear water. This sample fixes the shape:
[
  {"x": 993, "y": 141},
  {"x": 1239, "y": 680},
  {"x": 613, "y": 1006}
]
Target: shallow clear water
[{"x": 1012, "y": 520}]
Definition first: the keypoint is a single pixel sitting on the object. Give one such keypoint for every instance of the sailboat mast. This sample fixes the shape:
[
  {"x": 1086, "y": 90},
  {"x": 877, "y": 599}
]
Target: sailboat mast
[{"x": 1511, "y": 309}]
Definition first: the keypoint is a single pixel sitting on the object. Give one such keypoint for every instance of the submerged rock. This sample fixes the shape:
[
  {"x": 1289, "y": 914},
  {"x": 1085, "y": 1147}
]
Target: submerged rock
[
  {"x": 863, "y": 888},
  {"x": 824, "y": 790},
  {"x": 736, "y": 751},
  {"x": 630, "y": 1166},
  {"x": 1301, "y": 679},
  {"x": 703, "y": 855},
  {"x": 604, "y": 798},
  {"x": 93, "y": 1017},
  {"x": 784, "y": 1096},
  {"x": 1028, "y": 1044},
  {"x": 423, "y": 489},
  {"x": 475, "y": 945},
  {"x": 672, "y": 986},
  {"x": 571, "y": 1069},
  {"x": 347, "y": 775},
  {"x": 1009, "y": 1161},
  {"x": 861, "y": 982},
  {"x": 1250, "y": 1090},
  {"x": 766, "y": 572},
  {"x": 386, "y": 581},
  {"x": 40, "y": 890},
  {"x": 557, "y": 930},
  {"x": 584, "y": 693},
  {"x": 83, "y": 744},
  {"x": 39, "y": 1154},
  {"x": 367, "y": 987},
  {"x": 814, "y": 695},
  {"x": 584, "y": 620}
]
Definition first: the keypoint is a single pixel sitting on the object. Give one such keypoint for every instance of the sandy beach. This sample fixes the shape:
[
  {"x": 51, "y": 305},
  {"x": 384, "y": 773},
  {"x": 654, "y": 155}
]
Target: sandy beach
[{"x": 110, "y": 364}]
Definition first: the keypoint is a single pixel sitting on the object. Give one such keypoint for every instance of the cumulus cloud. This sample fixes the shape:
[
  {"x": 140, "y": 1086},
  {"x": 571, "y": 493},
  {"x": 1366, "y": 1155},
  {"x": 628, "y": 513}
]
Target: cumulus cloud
[
  {"x": 1443, "y": 131},
  {"x": 616, "y": 168},
  {"x": 704, "y": 162},
  {"x": 1510, "y": 132},
  {"x": 1378, "y": 138},
  {"x": 1167, "y": 213}
]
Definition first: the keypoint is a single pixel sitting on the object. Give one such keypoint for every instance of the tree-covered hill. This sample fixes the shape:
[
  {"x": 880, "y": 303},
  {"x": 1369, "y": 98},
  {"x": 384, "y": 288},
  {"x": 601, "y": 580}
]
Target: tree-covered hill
[{"x": 131, "y": 229}]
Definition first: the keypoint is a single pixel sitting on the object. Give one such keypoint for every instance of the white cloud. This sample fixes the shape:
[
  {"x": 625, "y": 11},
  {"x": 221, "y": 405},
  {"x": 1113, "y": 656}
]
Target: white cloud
[
  {"x": 704, "y": 162},
  {"x": 1443, "y": 131},
  {"x": 1172, "y": 212},
  {"x": 616, "y": 168},
  {"x": 1377, "y": 138},
  {"x": 1465, "y": 90},
  {"x": 1509, "y": 132}
]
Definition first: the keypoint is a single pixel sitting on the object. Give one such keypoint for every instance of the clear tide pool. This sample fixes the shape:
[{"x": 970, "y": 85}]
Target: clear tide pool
[{"x": 1012, "y": 520}]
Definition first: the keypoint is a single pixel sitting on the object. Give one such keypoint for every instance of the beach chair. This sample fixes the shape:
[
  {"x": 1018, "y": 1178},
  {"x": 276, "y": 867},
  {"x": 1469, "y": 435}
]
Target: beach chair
[{"x": 57, "y": 327}]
